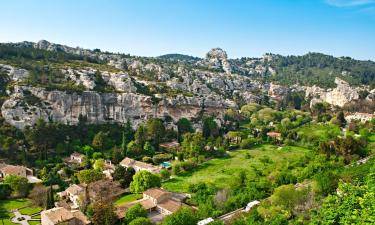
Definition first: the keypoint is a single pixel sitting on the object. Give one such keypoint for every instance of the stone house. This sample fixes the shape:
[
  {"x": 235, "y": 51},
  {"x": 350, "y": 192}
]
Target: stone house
[
  {"x": 77, "y": 157},
  {"x": 139, "y": 166},
  {"x": 21, "y": 171},
  {"x": 74, "y": 194},
  {"x": 60, "y": 215}
]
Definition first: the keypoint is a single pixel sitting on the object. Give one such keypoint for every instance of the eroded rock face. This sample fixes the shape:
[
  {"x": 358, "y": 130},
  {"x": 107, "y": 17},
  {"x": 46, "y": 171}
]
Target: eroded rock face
[
  {"x": 14, "y": 73},
  {"x": 338, "y": 96},
  {"x": 102, "y": 107}
]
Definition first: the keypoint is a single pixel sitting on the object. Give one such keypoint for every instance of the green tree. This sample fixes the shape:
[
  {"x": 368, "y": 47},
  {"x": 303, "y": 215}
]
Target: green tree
[
  {"x": 148, "y": 149},
  {"x": 89, "y": 175},
  {"x": 141, "y": 221},
  {"x": 144, "y": 180},
  {"x": 99, "y": 141},
  {"x": 134, "y": 212},
  {"x": 5, "y": 191},
  {"x": 184, "y": 216},
  {"x": 155, "y": 131},
  {"x": 184, "y": 126},
  {"x": 19, "y": 185},
  {"x": 103, "y": 214},
  {"x": 50, "y": 202},
  {"x": 140, "y": 136},
  {"x": 117, "y": 155},
  {"x": 210, "y": 127}
]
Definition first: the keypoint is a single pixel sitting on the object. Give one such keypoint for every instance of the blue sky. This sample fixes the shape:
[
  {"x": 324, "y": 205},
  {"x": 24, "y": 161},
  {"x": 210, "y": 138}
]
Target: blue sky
[{"x": 156, "y": 27}]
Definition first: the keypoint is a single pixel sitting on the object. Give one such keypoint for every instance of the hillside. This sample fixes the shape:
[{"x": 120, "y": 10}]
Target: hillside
[{"x": 63, "y": 83}]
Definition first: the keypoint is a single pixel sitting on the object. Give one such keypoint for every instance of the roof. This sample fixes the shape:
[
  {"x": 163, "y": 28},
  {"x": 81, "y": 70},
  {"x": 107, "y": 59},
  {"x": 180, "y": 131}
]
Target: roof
[
  {"x": 274, "y": 134},
  {"x": 170, "y": 205},
  {"x": 75, "y": 189},
  {"x": 156, "y": 192},
  {"x": 60, "y": 214},
  {"x": 128, "y": 162},
  {"x": 172, "y": 144},
  {"x": 10, "y": 169},
  {"x": 76, "y": 154}
]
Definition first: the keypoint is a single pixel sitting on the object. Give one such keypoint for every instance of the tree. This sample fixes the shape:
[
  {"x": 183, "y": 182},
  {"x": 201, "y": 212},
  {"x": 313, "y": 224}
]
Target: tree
[
  {"x": 341, "y": 119},
  {"x": 5, "y": 191},
  {"x": 140, "y": 136},
  {"x": 123, "y": 175},
  {"x": 192, "y": 144},
  {"x": 134, "y": 212},
  {"x": 127, "y": 136},
  {"x": 99, "y": 165},
  {"x": 19, "y": 185},
  {"x": 141, "y": 221},
  {"x": 89, "y": 175},
  {"x": 144, "y": 180},
  {"x": 155, "y": 131},
  {"x": 148, "y": 149},
  {"x": 103, "y": 214},
  {"x": 38, "y": 195},
  {"x": 117, "y": 155},
  {"x": 184, "y": 126},
  {"x": 184, "y": 216},
  {"x": 133, "y": 149},
  {"x": 210, "y": 127},
  {"x": 99, "y": 141},
  {"x": 50, "y": 202}
]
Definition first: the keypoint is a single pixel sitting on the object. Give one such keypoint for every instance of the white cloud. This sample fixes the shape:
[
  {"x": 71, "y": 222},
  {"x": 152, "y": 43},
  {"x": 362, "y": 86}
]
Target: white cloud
[{"x": 349, "y": 3}]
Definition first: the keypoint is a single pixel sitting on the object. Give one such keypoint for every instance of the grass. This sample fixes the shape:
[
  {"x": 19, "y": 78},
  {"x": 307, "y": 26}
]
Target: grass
[
  {"x": 9, "y": 205},
  {"x": 127, "y": 198},
  {"x": 219, "y": 172},
  {"x": 319, "y": 132},
  {"x": 30, "y": 211}
]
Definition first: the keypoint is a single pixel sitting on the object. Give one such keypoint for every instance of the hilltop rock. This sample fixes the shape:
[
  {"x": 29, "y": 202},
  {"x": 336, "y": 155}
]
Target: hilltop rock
[{"x": 217, "y": 58}]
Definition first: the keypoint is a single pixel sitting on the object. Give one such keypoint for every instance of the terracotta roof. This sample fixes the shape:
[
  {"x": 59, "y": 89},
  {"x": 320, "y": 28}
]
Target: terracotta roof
[
  {"x": 13, "y": 170},
  {"x": 156, "y": 193},
  {"x": 274, "y": 134},
  {"x": 170, "y": 205},
  {"x": 128, "y": 162},
  {"x": 147, "y": 204},
  {"x": 75, "y": 189},
  {"x": 60, "y": 214}
]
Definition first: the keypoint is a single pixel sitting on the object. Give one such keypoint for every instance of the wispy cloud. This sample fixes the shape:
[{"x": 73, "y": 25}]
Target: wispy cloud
[{"x": 350, "y": 3}]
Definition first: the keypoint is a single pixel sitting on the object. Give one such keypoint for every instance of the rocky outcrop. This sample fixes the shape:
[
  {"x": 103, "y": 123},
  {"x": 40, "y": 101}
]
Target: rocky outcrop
[
  {"x": 338, "y": 96},
  {"x": 14, "y": 73},
  {"x": 217, "y": 58},
  {"x": 103, "y": 107}
]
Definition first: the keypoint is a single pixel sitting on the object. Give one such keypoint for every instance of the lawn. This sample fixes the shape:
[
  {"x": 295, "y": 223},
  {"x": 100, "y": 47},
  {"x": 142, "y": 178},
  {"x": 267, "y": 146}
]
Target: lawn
[
  {"x": 319, "y": 132},
  {"x": 9, "y": 205},
  {"x": 220, "y": 171},
  {"x": 127, "y": 198}
]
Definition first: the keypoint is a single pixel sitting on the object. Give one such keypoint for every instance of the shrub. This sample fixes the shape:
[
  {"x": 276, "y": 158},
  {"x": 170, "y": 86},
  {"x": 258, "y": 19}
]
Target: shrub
[{"x": 248, "y": 143}]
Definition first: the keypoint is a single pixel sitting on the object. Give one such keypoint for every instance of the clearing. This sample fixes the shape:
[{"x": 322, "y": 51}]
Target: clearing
[{"x": 220, "y": 171}]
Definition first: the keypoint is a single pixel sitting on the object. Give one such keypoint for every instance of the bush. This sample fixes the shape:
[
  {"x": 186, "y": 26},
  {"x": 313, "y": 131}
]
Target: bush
[
  {"x": 248, "y": 143},
  {"x": 157, "y": 159},
  {"x": 141, "y": 221},
  {"x": 135, "y": 212}
]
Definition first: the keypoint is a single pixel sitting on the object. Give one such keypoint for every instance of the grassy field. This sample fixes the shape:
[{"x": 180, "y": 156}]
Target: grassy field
[
  {"x": 220, "y": 171},
  {"x": 127, "y": 198},
  {"x": 6, "y": 206},
  {"x": 321, "y": 132}
]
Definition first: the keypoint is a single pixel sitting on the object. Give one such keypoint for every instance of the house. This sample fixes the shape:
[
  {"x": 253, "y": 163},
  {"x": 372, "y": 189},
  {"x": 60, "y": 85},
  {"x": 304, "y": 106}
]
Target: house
[
  {"x": 109, "y": 169},
  {"x": 172, "y": 146},
  {"x": 274, "y": 135},
  {"x": 21, "y": 171},
  {"x": 363, "y": 117},
  {"x": 60, "y": 215},
  {"x": 77, "y": 157},
  {"x": 138, "y": 166},
  {"x": 157, "y": 200},
  {"x": 74, "y": 194}
]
